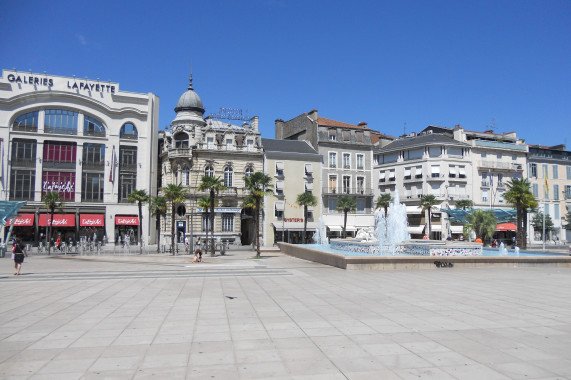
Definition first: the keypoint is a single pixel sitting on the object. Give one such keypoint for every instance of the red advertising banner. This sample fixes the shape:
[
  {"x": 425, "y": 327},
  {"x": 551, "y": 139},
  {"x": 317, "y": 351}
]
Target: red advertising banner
[
  {"x": 61, "y": 182},
  {"x": 25, "y": 220},
  {"x": 91, "y": 220},
  {"x": 127, "y": 220},
  {"x": 65, "y": 220}
]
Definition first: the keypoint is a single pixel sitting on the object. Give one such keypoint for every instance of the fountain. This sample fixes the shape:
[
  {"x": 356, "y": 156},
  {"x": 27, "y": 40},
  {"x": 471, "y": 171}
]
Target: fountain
[
  {"x": 392, "y": 229},
  {"x": 503, "y": 249},
  {"x": 320, "y": 235}
]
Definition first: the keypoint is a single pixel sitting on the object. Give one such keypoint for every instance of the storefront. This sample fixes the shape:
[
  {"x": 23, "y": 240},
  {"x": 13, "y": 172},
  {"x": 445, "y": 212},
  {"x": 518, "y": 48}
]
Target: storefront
[
  {"x": 126, "y": 225},
  {"x": 292, "y": 231},
  {"x": 92, "y": 227},
  {"x": 63, "y": 225},
  {"x": 23, "y": 227}
]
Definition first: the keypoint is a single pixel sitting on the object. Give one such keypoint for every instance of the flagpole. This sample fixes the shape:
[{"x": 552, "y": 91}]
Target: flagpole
[{"x": 545, "y": 207}]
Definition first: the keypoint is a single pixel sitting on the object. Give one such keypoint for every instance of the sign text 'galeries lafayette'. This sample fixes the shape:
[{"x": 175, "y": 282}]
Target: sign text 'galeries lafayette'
[{"x": 78, "y": 85}]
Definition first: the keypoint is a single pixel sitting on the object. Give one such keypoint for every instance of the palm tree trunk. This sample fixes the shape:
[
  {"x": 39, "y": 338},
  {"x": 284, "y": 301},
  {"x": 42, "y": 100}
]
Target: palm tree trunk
[
  {"x": 345, "y": 226},
  {"x": 304, "y": 240},
  {"x": 172, "y": 228},
  {"x": 212, "y": 252},
  {"x": 158, "y": 228},
  {"x": 140, "y": 228},
  {"x": 257, "y": 229},
  {"x": 50, "y": 230}
]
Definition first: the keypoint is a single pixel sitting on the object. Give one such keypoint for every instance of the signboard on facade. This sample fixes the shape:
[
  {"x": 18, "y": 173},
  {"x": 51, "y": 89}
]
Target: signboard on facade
[
  {"x": 25, "y": 220},
  {"x": 60, "y": 220},
  {"x": 225, "y": 210},
  {"x": 126, "y": 220},
  {"x": 91, "y": 220}
]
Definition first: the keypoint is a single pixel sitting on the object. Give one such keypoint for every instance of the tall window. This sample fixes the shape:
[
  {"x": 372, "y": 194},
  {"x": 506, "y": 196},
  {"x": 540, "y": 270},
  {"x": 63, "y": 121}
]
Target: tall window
[
  {"x": 360, "y": 185},
  {"x": 346, "y": 184},
  {"x": 360, "y": 206},
  {"x": 26, "y": 122},
  {"x": 360, "y": 162},
  {"x": 545, "y": 170},
  {"x": 535, "y": 190},
  {"x": 567, "y": 191},
  {"x": 59, "y": 152},
  {"x": 92, "y": 186},
  {"x": 93, "y": 127},
  {"x": 249, "y": 171},
  {"x": 93, "y": 155},
  {"x": 185, "y": 176},
  {"x": 22, "y": 184},
  {"x": 127, "y": 185},
  {"x": 210, "y": 143},
  {"x": 227, "y": 222},
  {"x": 332, "y": 183},
  {"x": 332, "y": 159},
  {"x": 568, "y": 171},
  {"x": 332, "y": 205},
  {"x": 229, "y": 144},
  {"x": 556, "y": 192},
  {"x": 250, "y": 145},
  {"x": 206, "y": 222},
  {"x": 128, "y": 131},
  {"x": 533, "y": 170},
  {"x": 181, "y": 140},
  {"x": 61, "y": 122},
  {"x": 127, "y": 171},
  {"x": 228, "y": 177},
  {"x": 485, "y": 195},
  {"x": 60, "y": 182},
  {"x": 346, "y": 160},
  {"x": 555, "y": 172},
  {"x": 209, "y": 171},
  {"x": 501, "y": 196}
]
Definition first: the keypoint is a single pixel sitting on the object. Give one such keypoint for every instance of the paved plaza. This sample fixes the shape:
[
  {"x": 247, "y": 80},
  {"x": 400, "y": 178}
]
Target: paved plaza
[{"x": 234, "y": 317}]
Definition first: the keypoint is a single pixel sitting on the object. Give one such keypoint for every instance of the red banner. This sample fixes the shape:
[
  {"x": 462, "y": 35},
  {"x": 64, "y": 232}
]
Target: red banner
[
  {"x": 23, "y": 221},
  {"x": 91, "y": 220},
  {"x": 127, "y": 220},
  {"x": 65, "y": 220}
]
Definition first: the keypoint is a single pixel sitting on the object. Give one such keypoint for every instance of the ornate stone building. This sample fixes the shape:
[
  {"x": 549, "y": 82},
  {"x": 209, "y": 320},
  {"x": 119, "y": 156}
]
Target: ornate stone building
[{"x": 196, "y": 146}]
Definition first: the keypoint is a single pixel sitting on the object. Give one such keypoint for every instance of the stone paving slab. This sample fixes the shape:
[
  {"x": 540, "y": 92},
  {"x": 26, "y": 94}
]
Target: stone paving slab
[{"x": 235, "y": 317}]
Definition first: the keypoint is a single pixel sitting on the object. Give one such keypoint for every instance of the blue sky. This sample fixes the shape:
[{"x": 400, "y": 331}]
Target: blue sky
[{"x": 396, "y": 65}]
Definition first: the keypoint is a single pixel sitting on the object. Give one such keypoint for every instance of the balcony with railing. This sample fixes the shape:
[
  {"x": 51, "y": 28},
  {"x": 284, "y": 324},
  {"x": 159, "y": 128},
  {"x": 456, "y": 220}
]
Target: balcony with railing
[
  {"x": 59, "y": 165},
  {"x": 25, "y": 128},
  {"x": 96, "y": 166},
  {"x": 347, "y": 191},
  {"x": 23, "y": 163},
  {"x": 500, "y": 145},
  {"x": 435, "y": 177},
  {"x": 94, "y": 133},
  {"x": 129, "y": 136},
  {"x": 180, "y": 153},
  {"x": 128, "y": 167},
  {"x": 508, "y": 166},
  {"x": 244, "y": 148},
  {"x": 60, "y": 130}
]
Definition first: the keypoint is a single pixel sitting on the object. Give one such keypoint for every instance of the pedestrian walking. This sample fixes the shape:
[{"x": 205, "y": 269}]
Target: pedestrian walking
[
  {"x": 18, "y": 254},
  {"x": 126, "y": 242},
  {"x": 186, "y": 244}
]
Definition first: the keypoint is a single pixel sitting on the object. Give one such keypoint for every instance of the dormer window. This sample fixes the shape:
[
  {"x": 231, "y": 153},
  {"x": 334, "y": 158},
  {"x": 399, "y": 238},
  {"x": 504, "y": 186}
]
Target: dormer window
[
  {"x": 210, "y": 143},
  {"x": 332, "y": 135}
]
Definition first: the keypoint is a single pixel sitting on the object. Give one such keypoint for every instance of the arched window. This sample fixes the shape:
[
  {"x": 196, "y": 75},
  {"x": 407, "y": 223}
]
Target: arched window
[
  {"x": 209, "y": 171},
  {"x": 228, "y": 177},
  {"x": 93, "y": 127},
  {"x": 185, "y": 176},
  {"x": 60, "y": 122},
  {"x": 181, "y": 140},
  {"x": 26, "y": 122},
  {"x": 249, "y": 171},
  {"x": 128, "y": 131},
  {"x": 181, "y": 210}
]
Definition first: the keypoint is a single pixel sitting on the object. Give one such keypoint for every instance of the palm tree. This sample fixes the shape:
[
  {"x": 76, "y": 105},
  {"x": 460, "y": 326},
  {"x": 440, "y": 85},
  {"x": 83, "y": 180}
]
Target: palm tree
[
  {"x": 213, "y": 186},
  {"x": 305, "y": 199},
  {"x": 52, "y": 200},
  {"x": 520, "y": 197},
  {"x": 482, "y": 222},
  {"x": 139, "y": 196},
  {"x": 345, "y": 204},
  {"x": 158, "y": 208},
  {"x": 427, "y": 202},
  {"x": 537, "y": 223},
  {"x": 259, "y": 185},
  {"x": 464, "y": 204},
  {"x": 204, "y": 203},
  {"x": 384, "y": 202},
  {"x": 174, "y": 194}
]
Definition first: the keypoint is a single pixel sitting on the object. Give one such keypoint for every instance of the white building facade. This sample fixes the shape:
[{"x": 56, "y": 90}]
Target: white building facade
[{"x": 86, "y": 139}]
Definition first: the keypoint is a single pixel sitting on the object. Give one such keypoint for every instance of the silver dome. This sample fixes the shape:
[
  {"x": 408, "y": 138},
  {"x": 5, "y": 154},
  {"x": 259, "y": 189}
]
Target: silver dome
[{"x": 189, "y": 101}]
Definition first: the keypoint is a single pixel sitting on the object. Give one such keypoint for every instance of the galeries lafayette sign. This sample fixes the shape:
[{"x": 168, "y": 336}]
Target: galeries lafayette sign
[
  {"x": 91, "y": 220},
  {"x": 66, "y": 220},
  {"x": 23, "y": 220},
  {"x": 127, "y": 220}
]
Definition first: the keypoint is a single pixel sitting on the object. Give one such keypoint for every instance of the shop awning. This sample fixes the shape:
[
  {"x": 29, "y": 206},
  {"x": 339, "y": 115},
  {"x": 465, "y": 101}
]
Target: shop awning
[
  {"x": 60, "y": 220},
  {"x": 457, "y": 229},
  {"x": 91, "y": 220},
  {"x": 308, "y": 168},
  {"x": 127, "y": 220},
  {"x": 413, "y": 210},
  {"x": 415, "y": 230},
  {"x": 506, "y": 227},
  {"x": 25, "y": 220},
  {"x": 294, "y": 226},
  {"x": 335, "y": 228},
  {"x": 436, "y": 227}
]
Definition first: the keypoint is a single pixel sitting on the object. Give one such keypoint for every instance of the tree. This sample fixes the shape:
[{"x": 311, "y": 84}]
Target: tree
[
  {"x": 568, "y": 219},
  {"x": 520, "y": 197},
  {"x": 204, "y": 203},
  {"x": 213, "y": 186},
  {"x": 482, "y": 222},
  {"x": 346, "y": 204},
  {"x": 52, "y": 200},
  {"x": 427, "y": 202},
  {"x": 259, "y": 185},
  {"x": 174, "y": 194},
  {"x": 139, "y": 196},
  {"x": 537, "y": 223},
  {"x": 384, "y": 202},
  {"x": 305, "y": 199},
  {"x": 158, "y": 208},
  {"x": 464, "y": 204}
]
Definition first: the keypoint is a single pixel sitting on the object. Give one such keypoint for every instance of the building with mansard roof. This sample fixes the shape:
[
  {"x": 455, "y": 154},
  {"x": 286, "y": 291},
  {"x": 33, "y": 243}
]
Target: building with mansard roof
[
  {"x": 195, "y": 146},
  {"x": 86, "y": 139}
]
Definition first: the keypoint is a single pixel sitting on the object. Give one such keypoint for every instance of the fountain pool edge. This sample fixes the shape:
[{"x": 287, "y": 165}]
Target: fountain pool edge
[{"x": 417, "y": 262}]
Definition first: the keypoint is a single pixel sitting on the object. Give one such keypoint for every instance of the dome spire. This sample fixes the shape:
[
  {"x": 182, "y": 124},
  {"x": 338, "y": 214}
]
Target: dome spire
[{"x": 190, "y": 80}]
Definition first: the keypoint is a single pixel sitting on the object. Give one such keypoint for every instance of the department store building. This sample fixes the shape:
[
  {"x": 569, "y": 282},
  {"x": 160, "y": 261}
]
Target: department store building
[{"x": 86, "y": 139}]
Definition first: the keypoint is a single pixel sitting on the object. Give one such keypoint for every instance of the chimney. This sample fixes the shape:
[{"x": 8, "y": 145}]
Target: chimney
[
  {"x": 313, "y": 114},
  {"x": 363, "y": 124},
  {"x": 254, "y": 123}
]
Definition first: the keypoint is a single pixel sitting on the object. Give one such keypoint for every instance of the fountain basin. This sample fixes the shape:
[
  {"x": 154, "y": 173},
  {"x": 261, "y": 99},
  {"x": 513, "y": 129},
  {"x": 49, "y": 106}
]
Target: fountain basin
[
  {"x": 411, "y": 262},
  {"x": 409, "y": 247}
]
